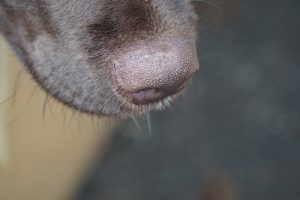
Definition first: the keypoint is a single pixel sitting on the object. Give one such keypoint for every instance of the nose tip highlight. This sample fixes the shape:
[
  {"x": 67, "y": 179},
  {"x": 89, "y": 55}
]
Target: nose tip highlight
[{"x": 150, "y": 72}]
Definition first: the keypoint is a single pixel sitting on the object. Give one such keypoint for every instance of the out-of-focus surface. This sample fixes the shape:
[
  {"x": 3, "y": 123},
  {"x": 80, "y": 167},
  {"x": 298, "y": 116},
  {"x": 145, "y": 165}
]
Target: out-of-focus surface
[
  {"x": 45, "y": 149},
  {"x": 3, "y": 145},
  {"x": 237, "y": 134}
]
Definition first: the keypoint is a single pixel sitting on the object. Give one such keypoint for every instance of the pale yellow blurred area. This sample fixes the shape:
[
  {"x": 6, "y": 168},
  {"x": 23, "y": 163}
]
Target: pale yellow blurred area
[{"x": 45, "y": 151}]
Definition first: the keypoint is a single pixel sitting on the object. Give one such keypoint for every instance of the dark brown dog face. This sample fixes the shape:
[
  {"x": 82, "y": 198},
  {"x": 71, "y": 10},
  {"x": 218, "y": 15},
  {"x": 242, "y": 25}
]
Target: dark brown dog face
[{"x": 106, "y": 57}]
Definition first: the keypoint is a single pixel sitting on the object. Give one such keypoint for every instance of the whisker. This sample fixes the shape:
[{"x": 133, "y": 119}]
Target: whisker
[
  {"x": 136, "y": 123},
  {"x": 149, "y": 124}
]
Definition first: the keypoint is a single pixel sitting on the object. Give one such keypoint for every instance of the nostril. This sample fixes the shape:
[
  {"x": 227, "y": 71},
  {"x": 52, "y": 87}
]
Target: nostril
[
  {"x": 147, "y": 96},
  {"x": 150, "y": 95}
]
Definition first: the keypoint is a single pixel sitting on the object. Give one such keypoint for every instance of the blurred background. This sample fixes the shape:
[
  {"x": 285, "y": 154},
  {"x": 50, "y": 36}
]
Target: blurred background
[
  {"x": 44, "y": 152},
  {"x": 234, "y": 136}
]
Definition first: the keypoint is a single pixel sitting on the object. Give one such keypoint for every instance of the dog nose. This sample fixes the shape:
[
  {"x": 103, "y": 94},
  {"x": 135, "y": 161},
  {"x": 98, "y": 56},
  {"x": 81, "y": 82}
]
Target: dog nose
[{"x": 150, "y": 71}]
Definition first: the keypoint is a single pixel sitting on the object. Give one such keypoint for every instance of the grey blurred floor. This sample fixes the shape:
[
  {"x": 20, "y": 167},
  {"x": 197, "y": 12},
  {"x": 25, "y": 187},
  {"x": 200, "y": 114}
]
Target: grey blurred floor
[{"x": 236, "y": 131}]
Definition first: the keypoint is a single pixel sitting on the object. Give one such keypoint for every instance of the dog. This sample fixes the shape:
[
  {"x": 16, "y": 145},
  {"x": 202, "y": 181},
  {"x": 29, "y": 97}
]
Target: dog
[{"x": 116, "y": 58}]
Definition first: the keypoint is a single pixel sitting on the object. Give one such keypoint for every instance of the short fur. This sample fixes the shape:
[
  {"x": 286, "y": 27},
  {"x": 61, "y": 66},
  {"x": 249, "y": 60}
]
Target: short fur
[{"x": 69, "y": 45}]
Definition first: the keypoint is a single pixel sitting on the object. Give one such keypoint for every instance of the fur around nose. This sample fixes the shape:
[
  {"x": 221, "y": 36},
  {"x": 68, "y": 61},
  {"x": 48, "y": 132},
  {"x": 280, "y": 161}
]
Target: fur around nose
[{"x": 150, "y": 71}]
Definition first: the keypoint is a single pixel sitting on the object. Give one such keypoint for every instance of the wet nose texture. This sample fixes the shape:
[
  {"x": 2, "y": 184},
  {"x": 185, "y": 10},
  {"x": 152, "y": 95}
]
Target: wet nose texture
[{"x": 150, "y": 71}]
